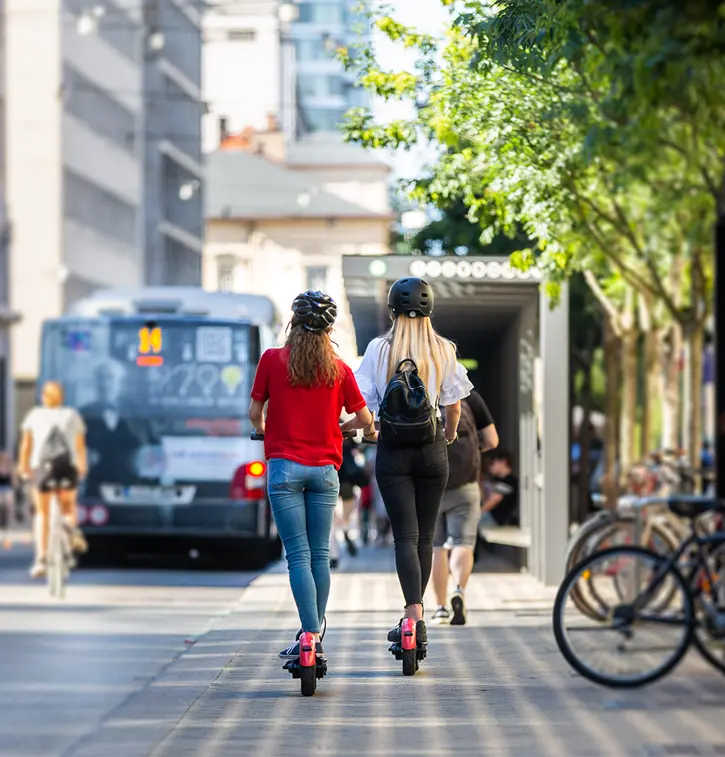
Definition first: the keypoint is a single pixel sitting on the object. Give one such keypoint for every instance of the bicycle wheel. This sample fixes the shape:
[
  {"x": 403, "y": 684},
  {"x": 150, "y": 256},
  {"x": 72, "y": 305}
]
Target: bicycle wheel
[
  {"x": 616, "y": 533},
  {"x": 56, "y": 562},
  {"x": 639, "y": 640},
  {"x": 710, "y": 647}
]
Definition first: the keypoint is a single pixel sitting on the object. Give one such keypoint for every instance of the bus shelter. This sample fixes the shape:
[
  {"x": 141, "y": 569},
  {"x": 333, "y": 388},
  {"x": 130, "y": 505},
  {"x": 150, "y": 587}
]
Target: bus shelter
[{"x": 516, "y": 347}]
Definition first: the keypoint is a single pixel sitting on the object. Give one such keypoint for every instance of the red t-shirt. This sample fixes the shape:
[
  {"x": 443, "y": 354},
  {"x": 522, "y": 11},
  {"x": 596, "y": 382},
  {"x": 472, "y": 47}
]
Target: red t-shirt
[{"x": 303, "y": 422}]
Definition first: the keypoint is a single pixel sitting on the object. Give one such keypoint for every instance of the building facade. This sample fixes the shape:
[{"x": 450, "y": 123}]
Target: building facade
[
  {"x": 173, "y": 171},
  {"x": 265, "y": 58},
  {"x": 280, "y": 219},
  {"x": 103, "y": 136},
  {"x": 325, "y": 90}
]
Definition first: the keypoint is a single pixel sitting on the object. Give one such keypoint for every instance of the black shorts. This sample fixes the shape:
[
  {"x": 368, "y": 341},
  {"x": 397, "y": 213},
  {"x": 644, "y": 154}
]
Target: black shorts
[{"x": 60, "y": 476}]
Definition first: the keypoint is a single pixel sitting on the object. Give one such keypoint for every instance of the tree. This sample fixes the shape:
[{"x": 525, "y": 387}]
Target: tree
[{"x": 547, "y": 124}]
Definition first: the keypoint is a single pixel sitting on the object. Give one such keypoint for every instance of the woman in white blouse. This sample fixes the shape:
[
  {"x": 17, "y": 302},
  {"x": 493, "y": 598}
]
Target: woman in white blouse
[{"x": 412, "y": 479}]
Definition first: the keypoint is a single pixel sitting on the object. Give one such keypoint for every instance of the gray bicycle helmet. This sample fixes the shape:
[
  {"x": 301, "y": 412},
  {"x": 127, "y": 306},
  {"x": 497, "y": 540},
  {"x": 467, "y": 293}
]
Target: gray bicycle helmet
[
  {"x": 412, "y": 297},
  {"x": 315, "y": 310}
]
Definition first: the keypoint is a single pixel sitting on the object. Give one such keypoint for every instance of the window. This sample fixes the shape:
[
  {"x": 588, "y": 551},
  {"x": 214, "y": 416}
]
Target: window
[
  {"x": 335, "y": 86},
  {"x": 241, "y": 35},
  {"x": 324, "y": 120},
  {"x": 94, "y": 106},
  {"x": 99, "y": 209},
  {"x": 320, "y": 13},
  {"x": 317, "y": 278},
  {"x": 308, "y": 85},
  {"x": 225, "y": 277}
]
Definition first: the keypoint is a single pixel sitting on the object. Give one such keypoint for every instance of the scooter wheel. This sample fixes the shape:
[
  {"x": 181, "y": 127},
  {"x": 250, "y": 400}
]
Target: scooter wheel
[
  {"x": 308, "y": 680},
  {"x": 410, "y": 662}
]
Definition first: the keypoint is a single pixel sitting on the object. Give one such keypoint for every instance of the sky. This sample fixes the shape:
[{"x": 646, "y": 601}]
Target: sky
[{"x": 429, "y": 17}]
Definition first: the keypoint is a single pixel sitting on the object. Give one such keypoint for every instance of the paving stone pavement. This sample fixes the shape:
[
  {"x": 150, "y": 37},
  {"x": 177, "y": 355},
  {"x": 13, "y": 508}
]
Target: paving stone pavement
[{"x": 497, "y": 686}]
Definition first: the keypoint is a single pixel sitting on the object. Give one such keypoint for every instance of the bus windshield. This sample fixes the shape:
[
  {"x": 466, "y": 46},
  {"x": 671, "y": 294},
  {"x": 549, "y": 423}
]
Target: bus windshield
[{"x": 163, "y": 401}]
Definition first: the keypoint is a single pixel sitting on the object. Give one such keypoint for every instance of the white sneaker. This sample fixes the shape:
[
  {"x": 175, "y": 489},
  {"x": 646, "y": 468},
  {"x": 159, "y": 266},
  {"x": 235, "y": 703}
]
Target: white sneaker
[
  {"x": 441, "y": 616},
  {"x": 39, "y": 569}
]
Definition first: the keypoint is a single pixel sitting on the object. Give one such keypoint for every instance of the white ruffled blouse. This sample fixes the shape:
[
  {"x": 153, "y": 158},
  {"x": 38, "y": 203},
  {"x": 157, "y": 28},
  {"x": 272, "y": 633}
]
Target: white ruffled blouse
[{"x": 372, "y": 379}]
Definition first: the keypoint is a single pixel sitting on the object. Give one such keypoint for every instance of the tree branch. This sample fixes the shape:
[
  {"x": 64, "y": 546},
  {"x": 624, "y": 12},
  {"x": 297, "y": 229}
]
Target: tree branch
[{"x": 607, "y": 305}]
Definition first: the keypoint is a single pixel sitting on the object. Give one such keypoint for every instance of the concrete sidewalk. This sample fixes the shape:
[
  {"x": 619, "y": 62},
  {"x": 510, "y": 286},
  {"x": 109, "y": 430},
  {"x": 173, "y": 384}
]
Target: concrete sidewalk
[{"x": 497, "y": 686}]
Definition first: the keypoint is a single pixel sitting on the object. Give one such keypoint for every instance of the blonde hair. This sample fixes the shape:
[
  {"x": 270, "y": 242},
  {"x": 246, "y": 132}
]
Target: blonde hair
[{"x": 417, "y": 340}]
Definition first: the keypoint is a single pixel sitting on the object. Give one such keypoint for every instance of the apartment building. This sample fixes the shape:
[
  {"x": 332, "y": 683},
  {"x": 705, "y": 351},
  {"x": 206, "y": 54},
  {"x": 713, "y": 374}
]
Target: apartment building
[
  {"x": 265, "y": 58},
  {"x": 325, "y": 90},
  {"x": 173, "y": 172},
  {"x": 103, "y": 138}
]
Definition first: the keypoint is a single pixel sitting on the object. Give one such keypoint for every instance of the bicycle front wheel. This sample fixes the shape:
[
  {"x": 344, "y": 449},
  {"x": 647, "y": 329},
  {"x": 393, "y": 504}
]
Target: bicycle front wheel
[{"x": 641, "y": 638}]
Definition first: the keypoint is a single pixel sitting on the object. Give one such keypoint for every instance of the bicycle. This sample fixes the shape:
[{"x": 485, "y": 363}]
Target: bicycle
[
  {"x": 60, "y": 560},
  {"x": 681, "y": 593}
]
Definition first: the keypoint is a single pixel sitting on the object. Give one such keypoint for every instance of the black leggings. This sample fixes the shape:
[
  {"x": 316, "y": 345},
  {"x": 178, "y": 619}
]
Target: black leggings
[{"x": 411, "y": 483}]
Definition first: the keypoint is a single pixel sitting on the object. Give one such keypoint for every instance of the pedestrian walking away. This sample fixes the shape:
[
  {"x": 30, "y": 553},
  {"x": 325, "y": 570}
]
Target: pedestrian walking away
[
  {"x": 305, "y": 386},
  {"x": 406, "y": 376},
  {"x": 53, "y": 455},
  {"x": 454, "y": 542}
]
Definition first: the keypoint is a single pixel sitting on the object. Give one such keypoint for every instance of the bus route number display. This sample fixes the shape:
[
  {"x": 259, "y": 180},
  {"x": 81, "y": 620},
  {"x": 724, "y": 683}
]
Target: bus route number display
[{"x": 150, "y": 342}]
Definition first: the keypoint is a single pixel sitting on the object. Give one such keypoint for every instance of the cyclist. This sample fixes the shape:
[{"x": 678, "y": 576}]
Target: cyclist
[
  {"x": 305, "y": 386},
  {"x": 412, "y": 479},
  {"x": 53, "y": 456}
]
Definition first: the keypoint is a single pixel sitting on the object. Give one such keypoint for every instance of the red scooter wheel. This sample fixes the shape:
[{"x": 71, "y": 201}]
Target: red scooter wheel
[
  {"x": 308, "y": 664},
  {"x": 408, "y": 642}
]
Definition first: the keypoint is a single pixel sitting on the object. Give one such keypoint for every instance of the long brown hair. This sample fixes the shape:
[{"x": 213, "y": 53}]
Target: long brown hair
[{"x": 312, "y": 358}]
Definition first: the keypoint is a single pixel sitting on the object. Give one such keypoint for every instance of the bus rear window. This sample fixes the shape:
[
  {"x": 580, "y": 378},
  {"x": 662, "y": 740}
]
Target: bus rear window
[{"x": 184, "y": 368}]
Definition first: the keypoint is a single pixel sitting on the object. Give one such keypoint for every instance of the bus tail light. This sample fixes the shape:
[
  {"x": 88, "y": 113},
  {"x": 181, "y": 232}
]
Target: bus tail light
[{"x": 250, "y": 481}]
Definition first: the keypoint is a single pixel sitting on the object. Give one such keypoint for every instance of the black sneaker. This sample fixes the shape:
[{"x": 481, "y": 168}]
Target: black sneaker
[
  {"x": 421, "y": 633},
  {"x": 441, "y": 616},
  {"x": 293, "y": 650},
  {"x": 394, "y": 634},
  {"x": 458, "y": 605},
  {"x": 351, "y": 546}
]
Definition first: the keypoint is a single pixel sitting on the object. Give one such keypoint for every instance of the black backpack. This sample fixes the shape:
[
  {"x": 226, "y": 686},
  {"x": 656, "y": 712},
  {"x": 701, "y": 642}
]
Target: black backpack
[
  {"x": 55, "y": 450},
  {"x": 407, "y": 418},
  {"x": 464, "y": 458}
]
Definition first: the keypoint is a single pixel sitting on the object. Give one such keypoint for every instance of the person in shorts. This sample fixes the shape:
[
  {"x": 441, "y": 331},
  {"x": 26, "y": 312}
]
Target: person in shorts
[
  {"x": 53, "y": 456},
  {"x": 454, "y": 541}
]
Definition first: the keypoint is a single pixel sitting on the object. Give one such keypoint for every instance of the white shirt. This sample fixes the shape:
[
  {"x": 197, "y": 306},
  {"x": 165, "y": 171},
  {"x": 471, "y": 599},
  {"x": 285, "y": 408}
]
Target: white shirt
[
  {"x": 372, "y": 378},
  {"x": 40, "y": 421}
]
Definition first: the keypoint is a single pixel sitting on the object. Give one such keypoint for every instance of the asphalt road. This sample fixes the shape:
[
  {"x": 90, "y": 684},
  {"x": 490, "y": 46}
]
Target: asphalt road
[{"x": 66, "y": 665}]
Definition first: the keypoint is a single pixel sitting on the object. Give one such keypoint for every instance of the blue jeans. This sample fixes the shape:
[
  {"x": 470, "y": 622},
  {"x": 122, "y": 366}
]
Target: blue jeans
[{"x": 303, "y": 500}]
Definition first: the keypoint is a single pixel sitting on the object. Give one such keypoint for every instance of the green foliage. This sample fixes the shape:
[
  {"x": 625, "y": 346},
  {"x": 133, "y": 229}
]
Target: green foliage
[{"x": 595, "y": 128}]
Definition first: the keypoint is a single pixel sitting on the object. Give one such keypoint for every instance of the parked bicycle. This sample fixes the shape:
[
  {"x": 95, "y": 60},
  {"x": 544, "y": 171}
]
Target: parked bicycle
[{"x": 648, "y": 607}]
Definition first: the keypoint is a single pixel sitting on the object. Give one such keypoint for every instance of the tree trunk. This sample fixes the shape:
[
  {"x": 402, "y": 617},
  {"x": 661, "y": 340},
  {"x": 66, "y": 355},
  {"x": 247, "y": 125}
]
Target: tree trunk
[
  {"x": 629, "y": 402},
  {"x": 696, "y": 342},
  {"x": 652, "y": 388},
  {"x": 671, "y": 395},
  {"x": 611, "y": 363}
]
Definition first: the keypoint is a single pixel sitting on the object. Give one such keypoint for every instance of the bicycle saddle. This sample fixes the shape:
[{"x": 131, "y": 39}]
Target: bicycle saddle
[{"x": 693, "y": 506}]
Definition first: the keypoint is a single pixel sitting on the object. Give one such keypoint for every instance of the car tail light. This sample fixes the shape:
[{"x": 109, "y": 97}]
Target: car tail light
[
  {"x": 98, "y": 515},
  {"x": 250, "y": 481}
]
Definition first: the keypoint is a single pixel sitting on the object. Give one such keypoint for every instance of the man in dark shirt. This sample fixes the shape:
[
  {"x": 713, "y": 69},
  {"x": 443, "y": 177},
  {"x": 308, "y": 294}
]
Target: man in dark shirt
[
  {"x": 454, "y": 541},
  {"x": 501, "y": 507}
]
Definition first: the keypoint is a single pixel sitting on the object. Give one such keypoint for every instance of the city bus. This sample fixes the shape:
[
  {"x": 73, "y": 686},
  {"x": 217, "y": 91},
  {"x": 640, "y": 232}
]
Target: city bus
[{"x": 162, "y": 376}]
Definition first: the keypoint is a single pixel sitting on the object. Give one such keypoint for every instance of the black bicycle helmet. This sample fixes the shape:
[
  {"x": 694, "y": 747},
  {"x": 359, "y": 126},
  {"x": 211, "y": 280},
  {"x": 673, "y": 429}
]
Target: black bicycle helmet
[
  {"x": 315, "y": 310},
  {"x": 412, "y": 297}
]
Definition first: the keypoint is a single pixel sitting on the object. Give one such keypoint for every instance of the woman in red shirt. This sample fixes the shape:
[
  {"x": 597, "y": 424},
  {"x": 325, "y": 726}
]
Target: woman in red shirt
[{"x": 306, "y": 387}]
